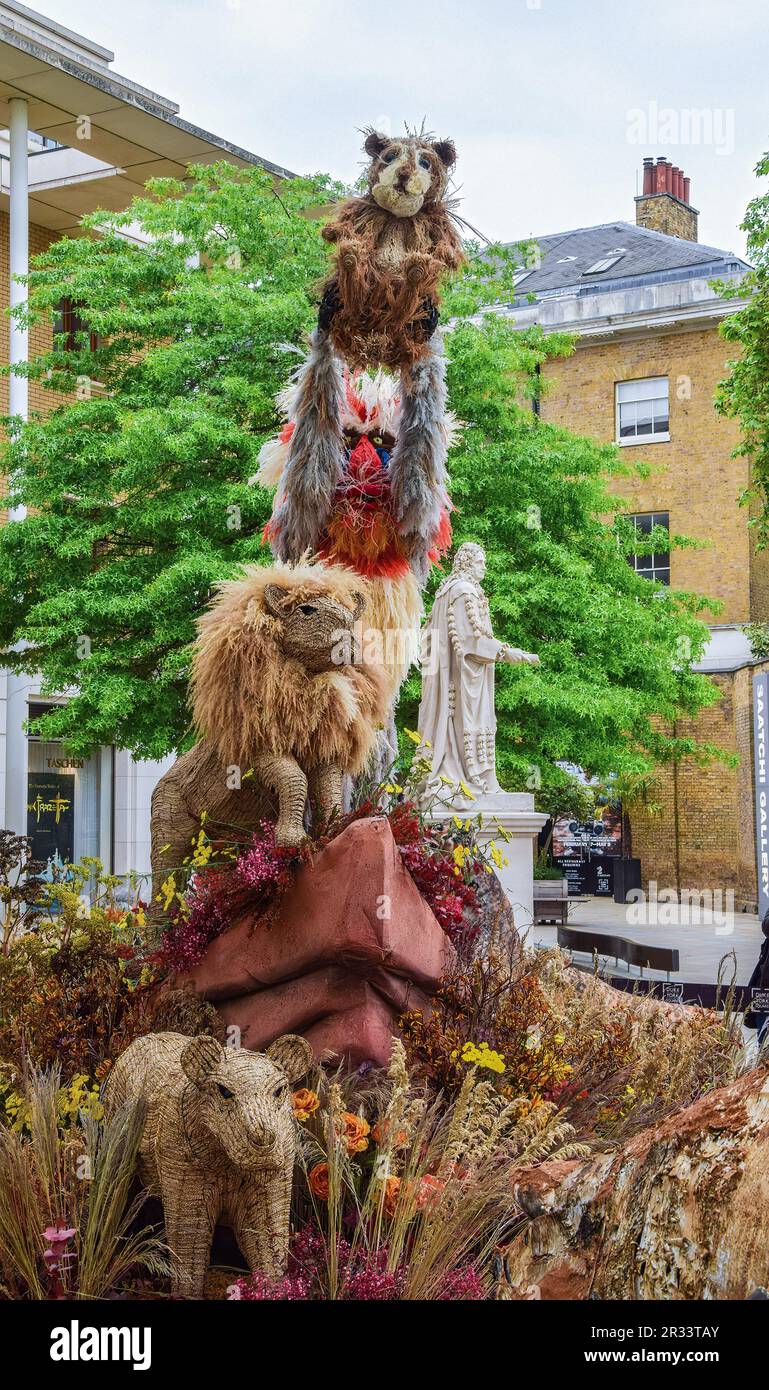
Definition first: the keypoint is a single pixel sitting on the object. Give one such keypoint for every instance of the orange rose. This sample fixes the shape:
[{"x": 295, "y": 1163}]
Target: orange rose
[
  {"x": 355, "y": 1131},
  {"x": 381, "y": 1135},
  {"x": 318, "y": 1180},
  {"x": 305, "y": 1103}
]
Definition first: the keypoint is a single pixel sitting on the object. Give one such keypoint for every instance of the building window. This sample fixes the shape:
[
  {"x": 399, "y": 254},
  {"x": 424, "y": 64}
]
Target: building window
[
  {"x": 606, "y": 262},
  {"x": 657, "y": 565},
  {"x": 67, "y": 321},
  {"x": 643, "y": 415}
]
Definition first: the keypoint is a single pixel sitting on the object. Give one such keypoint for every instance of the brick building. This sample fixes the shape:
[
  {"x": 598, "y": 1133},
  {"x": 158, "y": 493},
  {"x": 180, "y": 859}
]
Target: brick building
[
  {"x": 74, "y": 136},
  {"x": 648, "y": 359}
]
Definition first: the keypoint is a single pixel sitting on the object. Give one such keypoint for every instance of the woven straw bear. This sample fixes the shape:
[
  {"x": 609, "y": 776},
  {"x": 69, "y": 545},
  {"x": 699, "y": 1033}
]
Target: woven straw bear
[
  {"x": 219, "y": 1141},
  {"x": 392, "y": 246}
]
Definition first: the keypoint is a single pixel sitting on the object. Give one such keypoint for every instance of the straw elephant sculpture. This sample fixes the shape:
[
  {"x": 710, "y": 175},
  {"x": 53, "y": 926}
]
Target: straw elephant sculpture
[
  {"x": 219, "y": 1142},
  {"x": 285, "y": 702}
]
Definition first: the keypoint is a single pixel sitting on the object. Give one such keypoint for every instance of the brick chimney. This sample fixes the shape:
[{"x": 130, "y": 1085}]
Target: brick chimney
[{"x": 664, "y": 205}]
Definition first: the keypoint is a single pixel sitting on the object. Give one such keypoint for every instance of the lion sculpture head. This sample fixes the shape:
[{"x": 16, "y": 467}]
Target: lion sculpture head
[{"x": 276, "y": 670}]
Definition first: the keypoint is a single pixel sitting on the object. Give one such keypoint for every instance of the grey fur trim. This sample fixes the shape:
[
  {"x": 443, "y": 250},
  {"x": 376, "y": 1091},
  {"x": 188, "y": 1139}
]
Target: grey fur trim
[
  {"x": 315, "y": 463},
  {"x": 418, "y": 475}
]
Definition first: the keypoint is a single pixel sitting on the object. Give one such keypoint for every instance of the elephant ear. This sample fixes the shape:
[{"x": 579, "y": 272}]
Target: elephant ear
[
  {"x": 292, "y": 1054},
  {"x": 273, "y": 600},
  {"x": 200, "y": 1058}
]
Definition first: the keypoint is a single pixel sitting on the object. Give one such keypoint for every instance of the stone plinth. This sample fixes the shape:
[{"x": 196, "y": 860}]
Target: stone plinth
[
  {"x": 352, "y": 945},
  {"x": 513, "y": 813}
]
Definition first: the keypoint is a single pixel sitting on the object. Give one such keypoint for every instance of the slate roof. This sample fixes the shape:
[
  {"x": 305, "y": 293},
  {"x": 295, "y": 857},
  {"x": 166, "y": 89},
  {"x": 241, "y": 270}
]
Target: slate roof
[{"x": 648, "y": 258}]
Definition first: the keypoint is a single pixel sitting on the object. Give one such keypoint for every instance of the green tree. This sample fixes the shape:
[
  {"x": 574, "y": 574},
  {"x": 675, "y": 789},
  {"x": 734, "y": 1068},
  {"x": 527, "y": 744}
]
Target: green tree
[
  {"x": 744, "y": 395},
  {"x": 137, "y": 490},
  {"x": 138, "y": 500},
  {"x": 616, "y": 649}
]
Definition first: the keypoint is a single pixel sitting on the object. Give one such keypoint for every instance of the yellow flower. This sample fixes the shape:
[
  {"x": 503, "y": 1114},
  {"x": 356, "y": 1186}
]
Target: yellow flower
[
  {"x": 482, "y": 1056},
  {"x": 461, "y": 854},
  {"x": 463, "y": 787},
  {"x": 415, "y": 738},
  {"x": 167, "y": 892},
  {"x": 202, "y": 851}
]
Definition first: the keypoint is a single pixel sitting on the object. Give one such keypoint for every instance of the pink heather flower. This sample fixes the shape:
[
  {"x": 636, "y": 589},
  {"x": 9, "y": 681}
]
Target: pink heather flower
[
  {"x": 373, "y": 1286},
  {"x": 462, "y": 1285}
]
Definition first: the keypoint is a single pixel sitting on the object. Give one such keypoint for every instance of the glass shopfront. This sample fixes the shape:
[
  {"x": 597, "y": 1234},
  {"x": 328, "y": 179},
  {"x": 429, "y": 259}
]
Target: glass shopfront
[{"x": 64, "y": 803}]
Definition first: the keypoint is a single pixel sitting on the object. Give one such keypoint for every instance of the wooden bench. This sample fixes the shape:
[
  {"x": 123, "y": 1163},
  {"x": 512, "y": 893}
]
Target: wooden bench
[{"x": 632, "y": 952}]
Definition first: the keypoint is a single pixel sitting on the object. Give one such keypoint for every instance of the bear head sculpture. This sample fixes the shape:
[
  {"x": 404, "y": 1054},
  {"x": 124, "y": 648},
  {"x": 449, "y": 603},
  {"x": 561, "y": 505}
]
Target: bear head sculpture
[
  {"x": 408, "y": 172},
  {"x": 242, "y": 1100}
]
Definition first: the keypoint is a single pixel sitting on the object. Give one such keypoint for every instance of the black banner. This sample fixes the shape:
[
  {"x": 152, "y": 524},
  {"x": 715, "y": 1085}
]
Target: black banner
[
  {"x": 588, "y": 877},
  {"x": 167, "y": 1341},
  {"x": 51, "y": 816}
]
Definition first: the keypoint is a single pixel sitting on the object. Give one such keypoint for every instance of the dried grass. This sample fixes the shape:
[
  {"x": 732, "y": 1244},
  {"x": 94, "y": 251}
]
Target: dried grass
[
  {"x": 440, "y": 1194},
  {"x": 81, "y": 1179}
]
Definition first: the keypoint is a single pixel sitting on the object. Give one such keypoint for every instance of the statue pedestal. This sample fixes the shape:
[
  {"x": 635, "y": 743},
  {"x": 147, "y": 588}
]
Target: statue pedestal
[
  {"x": 352, "y": 945},
  {"x": 514, "y": 813}
]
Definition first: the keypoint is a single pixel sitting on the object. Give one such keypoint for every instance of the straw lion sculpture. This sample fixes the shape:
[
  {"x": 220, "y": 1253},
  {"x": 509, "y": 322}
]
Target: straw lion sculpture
[
  {"x": 278, "y": 690},
  {"x": 219, "y": 1140}
]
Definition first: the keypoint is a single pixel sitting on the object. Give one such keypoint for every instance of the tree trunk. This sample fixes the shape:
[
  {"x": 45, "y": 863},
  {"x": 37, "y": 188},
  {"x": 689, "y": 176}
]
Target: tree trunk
[{"x": 681, "y": 1212}]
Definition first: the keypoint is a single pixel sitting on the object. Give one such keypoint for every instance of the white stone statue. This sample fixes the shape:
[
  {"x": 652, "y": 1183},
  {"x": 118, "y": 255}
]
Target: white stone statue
[
  {"x": 457, "y": 723},
  {"x": 457, "y": 727}
]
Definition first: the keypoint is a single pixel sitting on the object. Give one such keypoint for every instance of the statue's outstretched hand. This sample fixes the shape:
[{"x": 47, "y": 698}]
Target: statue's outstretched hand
[{"x": 515, "y": 656}]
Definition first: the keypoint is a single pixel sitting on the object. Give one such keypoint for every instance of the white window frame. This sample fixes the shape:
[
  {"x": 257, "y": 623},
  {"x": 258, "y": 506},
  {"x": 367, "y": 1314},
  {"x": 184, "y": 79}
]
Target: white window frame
[
  {"x": 649, "y": 388},
  {"x": 651, "y": 572}
]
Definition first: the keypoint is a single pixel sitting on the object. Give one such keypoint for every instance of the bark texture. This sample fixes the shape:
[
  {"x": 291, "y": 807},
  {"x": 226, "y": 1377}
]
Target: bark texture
[{"x": 681, "y": 1212}]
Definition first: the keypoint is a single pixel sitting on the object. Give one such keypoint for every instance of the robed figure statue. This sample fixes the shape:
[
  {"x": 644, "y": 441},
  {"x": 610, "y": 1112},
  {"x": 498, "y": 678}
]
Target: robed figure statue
[{"x": 457, "y": 723}]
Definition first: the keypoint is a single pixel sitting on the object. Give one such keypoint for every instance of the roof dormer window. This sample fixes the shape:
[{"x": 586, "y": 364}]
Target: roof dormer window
[{"x": 606, "y": 262}]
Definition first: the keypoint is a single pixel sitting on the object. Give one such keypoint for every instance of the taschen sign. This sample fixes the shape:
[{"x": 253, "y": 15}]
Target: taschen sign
[{"x": 761, "y": 771}]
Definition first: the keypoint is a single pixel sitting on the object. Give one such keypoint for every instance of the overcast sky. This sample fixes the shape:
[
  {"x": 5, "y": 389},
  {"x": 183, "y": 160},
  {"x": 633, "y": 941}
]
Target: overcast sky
[{"x": 552, "y": 103}]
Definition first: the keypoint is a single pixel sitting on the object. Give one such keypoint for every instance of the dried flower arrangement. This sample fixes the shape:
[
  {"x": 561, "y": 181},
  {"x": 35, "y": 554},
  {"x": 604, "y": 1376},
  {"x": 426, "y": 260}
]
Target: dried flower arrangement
[
  {"x": 69, "y": 1221},
  {"x": 401, "y": 1196}
]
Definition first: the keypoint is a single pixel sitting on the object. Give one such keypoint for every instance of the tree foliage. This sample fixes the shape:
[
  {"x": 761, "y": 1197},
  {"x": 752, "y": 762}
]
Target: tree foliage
[
  {"x": 744, "y": 395},
  {"x": 616, "y": 649},
  {"x": 138, "y": 498},
  {"x": 137, "y": 492}
]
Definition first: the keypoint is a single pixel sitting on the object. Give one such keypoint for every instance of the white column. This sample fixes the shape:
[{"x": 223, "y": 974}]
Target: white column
[
  {"x": 19, "y": 246},
  {"x": 106, "y": 756},
  {"x": 18, "y": 396},
  {"x": 510, "y": 822}
]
